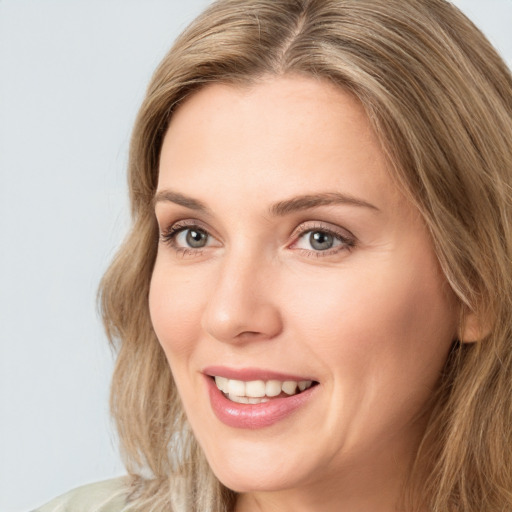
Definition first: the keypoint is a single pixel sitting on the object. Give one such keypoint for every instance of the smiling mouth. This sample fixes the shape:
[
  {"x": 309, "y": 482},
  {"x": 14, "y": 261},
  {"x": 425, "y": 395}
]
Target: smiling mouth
[{"x": 260, "y": 391}]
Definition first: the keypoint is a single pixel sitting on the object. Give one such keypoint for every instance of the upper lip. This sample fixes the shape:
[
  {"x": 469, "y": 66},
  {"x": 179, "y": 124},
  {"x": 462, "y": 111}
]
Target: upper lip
[{"x": 249, "y": 374}]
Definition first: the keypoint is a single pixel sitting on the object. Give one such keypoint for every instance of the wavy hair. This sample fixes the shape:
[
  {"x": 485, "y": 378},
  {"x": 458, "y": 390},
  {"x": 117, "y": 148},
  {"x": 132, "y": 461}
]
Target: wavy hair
[{"x": 440, "y": 100}]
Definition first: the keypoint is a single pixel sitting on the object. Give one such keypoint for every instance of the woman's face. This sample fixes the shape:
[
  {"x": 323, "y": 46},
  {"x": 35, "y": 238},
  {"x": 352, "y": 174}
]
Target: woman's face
[{"x": 290, "y": 260}]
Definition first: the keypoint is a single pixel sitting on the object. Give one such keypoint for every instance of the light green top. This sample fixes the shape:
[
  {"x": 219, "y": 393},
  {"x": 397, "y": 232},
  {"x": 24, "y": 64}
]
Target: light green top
[{"x": 106, "y": 496}]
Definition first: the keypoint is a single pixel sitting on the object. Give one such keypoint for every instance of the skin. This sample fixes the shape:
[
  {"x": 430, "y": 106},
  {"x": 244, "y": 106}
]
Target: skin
[{"x": 371, "y": 320}]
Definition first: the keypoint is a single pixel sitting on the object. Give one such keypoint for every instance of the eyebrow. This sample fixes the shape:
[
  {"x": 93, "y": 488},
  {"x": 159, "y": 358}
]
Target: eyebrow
[
  {"x": 306, "y": 202},
  {"x": 181, "y": 199},
  {"x": 279, "y": 209}
]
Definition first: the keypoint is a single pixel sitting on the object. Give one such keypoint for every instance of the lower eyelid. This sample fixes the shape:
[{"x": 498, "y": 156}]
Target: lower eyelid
[{"x": 187, "y": 252}]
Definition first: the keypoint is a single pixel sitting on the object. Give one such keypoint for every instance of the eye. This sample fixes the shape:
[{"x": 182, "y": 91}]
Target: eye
[
  {"x": 322, "y": 241},
  {"x": 187, "y": 237},
  {"x": 194, "y": 238}
]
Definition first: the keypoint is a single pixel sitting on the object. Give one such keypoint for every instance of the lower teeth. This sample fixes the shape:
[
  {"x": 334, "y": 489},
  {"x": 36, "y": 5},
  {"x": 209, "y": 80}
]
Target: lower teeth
[{"x": 246, "y": 399}]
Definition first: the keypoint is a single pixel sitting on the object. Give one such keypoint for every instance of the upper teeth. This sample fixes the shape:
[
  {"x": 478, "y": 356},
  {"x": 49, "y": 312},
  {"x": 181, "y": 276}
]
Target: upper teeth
[{"x": 260, "y": 388}]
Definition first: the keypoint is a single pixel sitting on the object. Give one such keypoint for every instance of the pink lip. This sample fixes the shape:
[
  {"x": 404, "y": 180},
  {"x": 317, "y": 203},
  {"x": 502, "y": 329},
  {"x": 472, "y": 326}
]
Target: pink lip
[
  {"x": 255, "y": 416},
  {"x": 247, "y": 374}
]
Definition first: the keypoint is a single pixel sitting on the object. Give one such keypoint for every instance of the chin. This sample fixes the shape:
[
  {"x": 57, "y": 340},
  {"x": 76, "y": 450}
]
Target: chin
[
  {"x": 265, "y": 470},
  {"x": 244, "y": 481}
]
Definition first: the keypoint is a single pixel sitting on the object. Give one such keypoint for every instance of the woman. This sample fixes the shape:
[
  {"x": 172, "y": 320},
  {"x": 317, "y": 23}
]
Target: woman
[{"x": 313, "y": 307}]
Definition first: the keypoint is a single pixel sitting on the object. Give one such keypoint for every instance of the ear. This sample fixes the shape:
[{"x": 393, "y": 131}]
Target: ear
[{"x": 473, "y": 327}]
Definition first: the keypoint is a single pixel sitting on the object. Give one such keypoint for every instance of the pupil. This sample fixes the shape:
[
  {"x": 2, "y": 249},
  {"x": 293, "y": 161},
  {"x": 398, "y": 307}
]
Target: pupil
[
  {"x": 321, "y": 241},
  {"x": 196, "y": 238}
]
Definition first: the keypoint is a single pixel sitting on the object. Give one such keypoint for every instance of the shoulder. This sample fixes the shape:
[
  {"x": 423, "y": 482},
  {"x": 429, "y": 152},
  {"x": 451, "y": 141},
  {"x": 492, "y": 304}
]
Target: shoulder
[{"x": 106, "y": 496}]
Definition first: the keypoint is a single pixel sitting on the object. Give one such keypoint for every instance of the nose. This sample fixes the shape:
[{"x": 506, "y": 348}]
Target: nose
[{"x": 241, "y": 307}]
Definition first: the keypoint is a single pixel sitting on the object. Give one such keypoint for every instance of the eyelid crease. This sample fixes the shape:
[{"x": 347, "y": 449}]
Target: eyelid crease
[
  {"x": 170, "y": 232},
  {"x": 336, "y": 231},
  {"x": 185, "y": 223}
]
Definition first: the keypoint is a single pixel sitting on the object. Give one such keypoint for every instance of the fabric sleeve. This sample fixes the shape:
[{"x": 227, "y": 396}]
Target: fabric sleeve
[{"x": 106, "y": 496}]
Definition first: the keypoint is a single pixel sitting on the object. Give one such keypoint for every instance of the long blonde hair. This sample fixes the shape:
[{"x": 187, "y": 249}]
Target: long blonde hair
[{"x": 440, "y": 99}]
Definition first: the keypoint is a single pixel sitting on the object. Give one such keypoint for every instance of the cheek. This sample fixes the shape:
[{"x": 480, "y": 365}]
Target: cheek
[
  {"x": 381, "y": 338},
  {"x": 377, "y": 320},
  {"x": 175, "y": 306}
]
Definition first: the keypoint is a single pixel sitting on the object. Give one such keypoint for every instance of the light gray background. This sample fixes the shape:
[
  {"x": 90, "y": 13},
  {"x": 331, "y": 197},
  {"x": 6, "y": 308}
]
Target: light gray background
[{"x": 72, "y": 74}]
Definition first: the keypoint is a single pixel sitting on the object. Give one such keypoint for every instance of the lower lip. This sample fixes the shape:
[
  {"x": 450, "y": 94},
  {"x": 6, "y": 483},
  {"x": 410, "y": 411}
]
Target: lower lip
[{"x": 254, "y": 416}]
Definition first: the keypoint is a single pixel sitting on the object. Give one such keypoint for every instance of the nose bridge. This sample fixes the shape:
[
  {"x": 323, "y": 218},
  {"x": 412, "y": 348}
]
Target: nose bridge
[{"x": 241, "y": 306}]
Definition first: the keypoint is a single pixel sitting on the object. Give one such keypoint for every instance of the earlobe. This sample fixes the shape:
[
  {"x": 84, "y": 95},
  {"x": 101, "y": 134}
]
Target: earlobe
[{"x": 473, "y": 327}]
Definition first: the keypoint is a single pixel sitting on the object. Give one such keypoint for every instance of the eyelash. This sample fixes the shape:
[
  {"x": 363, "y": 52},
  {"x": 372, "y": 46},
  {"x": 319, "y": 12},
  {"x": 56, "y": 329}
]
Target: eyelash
[
  {"x": 168, "y": 237},
  {"x": 348, "y": 241}
]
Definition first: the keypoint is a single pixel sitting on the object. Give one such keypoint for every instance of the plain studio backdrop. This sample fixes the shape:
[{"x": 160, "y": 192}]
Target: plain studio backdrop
[{"x": 72, "y": 75}]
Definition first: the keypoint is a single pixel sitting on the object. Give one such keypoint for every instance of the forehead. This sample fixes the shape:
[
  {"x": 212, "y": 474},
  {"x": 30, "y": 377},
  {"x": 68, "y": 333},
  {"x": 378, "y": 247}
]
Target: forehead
[
  {"x": 294, "y": 133},
  {"x": 279, "y": 106}
]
